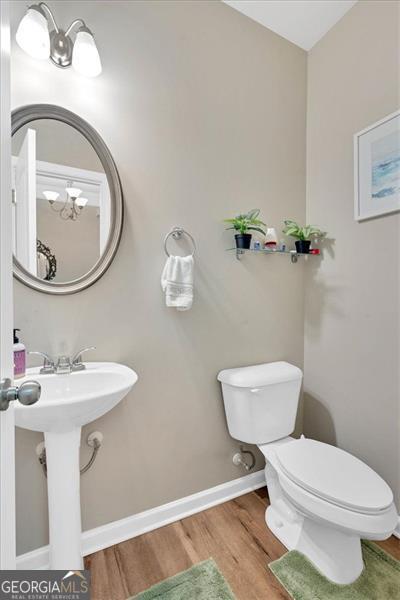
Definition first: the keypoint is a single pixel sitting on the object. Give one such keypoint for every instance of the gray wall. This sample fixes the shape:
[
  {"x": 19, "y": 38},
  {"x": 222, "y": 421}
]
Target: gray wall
[
  {"x": 204, "y": 112},
  {"x": 352, "y": 333}
]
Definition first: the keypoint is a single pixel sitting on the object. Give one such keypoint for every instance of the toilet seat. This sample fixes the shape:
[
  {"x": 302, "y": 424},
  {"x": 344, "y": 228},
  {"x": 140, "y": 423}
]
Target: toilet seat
[
  {"x": 334, "y": 476},
  {"x": 372, "y": 526}
]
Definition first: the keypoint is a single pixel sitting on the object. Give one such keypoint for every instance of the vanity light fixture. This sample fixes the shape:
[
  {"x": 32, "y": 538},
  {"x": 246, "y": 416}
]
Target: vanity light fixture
[
  {"x": 35, "y": 38},
  {"x": 73, "y": 205}
]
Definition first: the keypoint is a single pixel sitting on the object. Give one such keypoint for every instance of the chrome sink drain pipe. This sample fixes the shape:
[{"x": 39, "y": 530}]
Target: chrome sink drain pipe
[{"x": 94, "y": 440}]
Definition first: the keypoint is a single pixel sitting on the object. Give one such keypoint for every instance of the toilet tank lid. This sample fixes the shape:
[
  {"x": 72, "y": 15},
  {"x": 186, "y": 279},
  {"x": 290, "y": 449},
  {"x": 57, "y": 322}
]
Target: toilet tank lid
[{"x": 260, "y": 375}]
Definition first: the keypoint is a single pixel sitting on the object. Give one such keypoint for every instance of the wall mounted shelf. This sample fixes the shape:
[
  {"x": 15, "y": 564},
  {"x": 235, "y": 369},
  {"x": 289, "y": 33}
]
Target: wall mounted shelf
[{"x": 292, "y": 253}]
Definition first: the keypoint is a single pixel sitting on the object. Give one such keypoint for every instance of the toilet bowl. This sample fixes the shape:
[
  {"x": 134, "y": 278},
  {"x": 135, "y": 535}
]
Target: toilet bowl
[{"x": 323, "y": 500}]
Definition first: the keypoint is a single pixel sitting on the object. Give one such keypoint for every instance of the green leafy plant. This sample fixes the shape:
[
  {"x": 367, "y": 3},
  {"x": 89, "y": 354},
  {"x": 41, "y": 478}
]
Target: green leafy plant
[
  {"x": 302, "y": 233},
  {"x": 247, "y": 222}
]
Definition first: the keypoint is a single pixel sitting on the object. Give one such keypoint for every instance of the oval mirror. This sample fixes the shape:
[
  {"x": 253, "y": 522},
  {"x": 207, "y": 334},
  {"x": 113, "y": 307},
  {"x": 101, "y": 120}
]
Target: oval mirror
[{"x": 67, "y": 200}]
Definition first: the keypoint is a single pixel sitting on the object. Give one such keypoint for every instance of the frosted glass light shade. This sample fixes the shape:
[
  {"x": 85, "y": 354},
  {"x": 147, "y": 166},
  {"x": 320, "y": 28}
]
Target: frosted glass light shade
[
  {"x": 33, "y": 34},
  {"x": 50, "y": 195},
  {"x": 81, "y": 202},
  {"x": 85, "y": 57},
  {"x": 73, "y": 192}
]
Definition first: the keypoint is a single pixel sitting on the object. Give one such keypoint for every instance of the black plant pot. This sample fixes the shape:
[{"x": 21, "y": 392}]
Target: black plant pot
[
  {"x": 303, "y": 246},
  {"x": 243, "y": 241}
]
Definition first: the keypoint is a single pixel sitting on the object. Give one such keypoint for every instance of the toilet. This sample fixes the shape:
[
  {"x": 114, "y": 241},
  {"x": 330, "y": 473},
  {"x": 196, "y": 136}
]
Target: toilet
[{"x": 323, "y": 500}]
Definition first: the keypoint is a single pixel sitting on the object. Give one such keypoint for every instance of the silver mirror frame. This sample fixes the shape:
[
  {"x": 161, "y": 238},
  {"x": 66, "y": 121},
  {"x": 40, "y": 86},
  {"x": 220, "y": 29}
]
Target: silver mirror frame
[{"x": 33, "y": 112}]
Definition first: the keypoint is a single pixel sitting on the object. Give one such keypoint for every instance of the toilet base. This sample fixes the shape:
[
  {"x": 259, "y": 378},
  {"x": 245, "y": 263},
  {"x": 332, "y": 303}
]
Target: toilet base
[
  {"x": 287, "y": 532},
  {"x": 334, "y": 552}
]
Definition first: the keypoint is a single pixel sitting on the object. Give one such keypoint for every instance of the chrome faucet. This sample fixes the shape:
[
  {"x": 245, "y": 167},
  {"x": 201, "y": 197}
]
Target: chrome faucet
[
  {"x": 76, "y": 362},
  {"x": 64, "y": 364},
  {"x": 48, "y": 363}
]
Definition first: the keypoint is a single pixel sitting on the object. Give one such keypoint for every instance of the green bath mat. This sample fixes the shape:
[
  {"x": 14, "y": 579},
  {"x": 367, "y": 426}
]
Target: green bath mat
[
  {"x": 201, "y": 582},
  {"x": 380, "y": 579}
]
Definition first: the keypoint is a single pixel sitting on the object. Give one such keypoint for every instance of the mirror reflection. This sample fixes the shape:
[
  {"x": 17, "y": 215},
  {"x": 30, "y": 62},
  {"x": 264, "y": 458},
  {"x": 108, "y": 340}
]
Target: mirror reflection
[{"x": 61, "y": 201}]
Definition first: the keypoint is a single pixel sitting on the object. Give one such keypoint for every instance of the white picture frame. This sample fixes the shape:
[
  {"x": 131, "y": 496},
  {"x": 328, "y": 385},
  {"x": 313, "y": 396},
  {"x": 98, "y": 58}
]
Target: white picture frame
[{"x": 377, "y": 169}]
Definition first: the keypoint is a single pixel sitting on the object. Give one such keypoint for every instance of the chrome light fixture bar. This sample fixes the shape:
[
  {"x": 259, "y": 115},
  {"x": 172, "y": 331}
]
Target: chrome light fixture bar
[{"x": 34, "y": 37}]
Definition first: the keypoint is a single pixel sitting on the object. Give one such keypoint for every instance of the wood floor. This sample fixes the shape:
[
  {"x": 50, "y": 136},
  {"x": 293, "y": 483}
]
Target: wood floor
[{"x": 234, "y": 534}]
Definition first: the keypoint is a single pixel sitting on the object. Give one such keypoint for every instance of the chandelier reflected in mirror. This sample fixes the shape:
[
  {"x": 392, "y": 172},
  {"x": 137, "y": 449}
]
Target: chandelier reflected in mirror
[{"x": 71, "y": 207}]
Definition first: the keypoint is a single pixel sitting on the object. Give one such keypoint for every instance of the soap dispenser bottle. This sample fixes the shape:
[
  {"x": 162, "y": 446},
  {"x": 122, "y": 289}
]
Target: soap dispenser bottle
[{"x": 19, "y": 357}]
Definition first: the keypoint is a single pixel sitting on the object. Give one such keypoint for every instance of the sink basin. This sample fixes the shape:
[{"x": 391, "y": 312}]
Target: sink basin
[
  {"x": 66, "y": 403},
  {"x": 73, "y": 400}
]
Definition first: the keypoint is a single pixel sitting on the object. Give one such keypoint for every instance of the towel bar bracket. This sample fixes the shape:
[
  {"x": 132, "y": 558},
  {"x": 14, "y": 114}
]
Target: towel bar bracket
[{"x": 177, "y": 233}]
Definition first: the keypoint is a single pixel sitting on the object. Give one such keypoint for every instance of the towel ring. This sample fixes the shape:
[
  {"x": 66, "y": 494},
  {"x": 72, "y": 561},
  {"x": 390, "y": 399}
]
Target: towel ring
[{"x": 177, "y": 233}]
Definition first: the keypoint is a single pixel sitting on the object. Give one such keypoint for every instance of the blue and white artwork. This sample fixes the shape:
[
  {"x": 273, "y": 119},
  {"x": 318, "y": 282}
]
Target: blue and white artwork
[
  {"x": 386, "y": 166},
  {"x": 377, "y": 169}
]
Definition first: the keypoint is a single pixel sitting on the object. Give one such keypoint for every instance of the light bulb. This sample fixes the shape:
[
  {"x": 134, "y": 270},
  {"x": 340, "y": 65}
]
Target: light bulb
[
  {"x": 85, "y": 57},
  {"x": 81, "y": 202},
  {"x": 33, "y": 34},
  {"x": 73, "y": 192},
  {"x": 50, "y": 195}
]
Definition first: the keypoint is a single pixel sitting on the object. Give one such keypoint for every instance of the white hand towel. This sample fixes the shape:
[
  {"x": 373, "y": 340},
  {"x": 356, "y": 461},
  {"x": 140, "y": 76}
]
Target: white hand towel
[{"x": 177, "y": 282}]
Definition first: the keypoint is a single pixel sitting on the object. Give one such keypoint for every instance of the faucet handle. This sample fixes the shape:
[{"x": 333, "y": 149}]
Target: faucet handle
[
  {"x": 48, "y": 362},
  {"x": 77, "y": 364}
]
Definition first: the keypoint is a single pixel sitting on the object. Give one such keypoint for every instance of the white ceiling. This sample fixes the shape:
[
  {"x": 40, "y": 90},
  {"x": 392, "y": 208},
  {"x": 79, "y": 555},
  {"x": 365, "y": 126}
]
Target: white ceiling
[{"x": 300, "y": 22}]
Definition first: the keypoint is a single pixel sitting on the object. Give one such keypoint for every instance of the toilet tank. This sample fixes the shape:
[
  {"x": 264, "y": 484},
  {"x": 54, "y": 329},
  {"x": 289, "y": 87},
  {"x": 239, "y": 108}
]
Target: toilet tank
[{"x": 261, "y": 401}]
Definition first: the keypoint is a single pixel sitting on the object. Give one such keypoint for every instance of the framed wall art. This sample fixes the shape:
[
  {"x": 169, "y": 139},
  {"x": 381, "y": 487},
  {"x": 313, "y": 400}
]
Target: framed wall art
[{"x": 377, "y": 169}]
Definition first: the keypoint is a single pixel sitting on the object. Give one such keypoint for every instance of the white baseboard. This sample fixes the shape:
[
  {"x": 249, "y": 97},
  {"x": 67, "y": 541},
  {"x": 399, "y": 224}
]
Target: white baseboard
[{"x": 125, "y": 529}]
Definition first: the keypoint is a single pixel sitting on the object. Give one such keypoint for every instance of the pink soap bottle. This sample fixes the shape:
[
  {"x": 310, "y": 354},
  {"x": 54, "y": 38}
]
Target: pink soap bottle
[{"x": 19, "y": 357}]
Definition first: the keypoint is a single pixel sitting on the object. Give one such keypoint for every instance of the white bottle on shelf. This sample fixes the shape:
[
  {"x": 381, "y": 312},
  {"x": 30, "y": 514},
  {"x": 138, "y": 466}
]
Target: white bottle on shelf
[{"x": 271, "y": 239}]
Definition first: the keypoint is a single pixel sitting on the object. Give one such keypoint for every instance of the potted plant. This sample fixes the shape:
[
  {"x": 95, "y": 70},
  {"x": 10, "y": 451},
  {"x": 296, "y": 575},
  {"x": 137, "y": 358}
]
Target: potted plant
[
  {"x": 243, "y": 224},
  {"x": 302, "y": 235}
]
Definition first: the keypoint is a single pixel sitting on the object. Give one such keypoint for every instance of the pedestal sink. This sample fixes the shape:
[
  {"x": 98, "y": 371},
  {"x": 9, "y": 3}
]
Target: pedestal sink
[{"x": 67, "y": 402}]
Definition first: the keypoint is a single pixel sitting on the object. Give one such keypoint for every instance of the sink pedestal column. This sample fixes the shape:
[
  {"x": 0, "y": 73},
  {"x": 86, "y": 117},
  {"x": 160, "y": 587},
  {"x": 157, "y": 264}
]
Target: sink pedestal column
[{"x": 63, "y": 485}]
